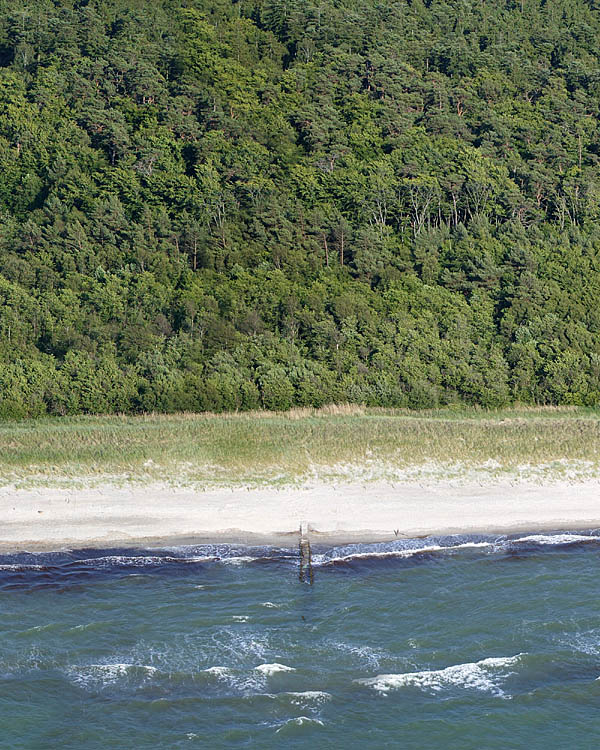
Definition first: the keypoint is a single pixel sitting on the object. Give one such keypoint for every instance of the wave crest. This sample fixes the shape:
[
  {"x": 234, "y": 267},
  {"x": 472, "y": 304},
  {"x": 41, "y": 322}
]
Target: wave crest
[
  {"x": 484, "y": 675},
  {"x": 271, "y": 669}
]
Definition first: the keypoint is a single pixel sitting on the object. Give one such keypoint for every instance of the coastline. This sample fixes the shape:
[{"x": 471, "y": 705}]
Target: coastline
[{"x": 44, "y": 519}]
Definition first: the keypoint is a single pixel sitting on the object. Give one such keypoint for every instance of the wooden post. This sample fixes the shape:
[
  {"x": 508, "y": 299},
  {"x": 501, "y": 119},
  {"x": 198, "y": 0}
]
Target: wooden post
[{"x": 306, "y": 570}]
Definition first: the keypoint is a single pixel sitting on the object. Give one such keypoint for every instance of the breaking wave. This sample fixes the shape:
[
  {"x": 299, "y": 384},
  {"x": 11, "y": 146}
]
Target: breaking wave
[
  {"x": 70, "y": 566},
  {"x": 271, "y": 669},
  {"x": 438, "y": 547},
  {"x": 299, "y": 721},
  {"x": 486, "y": 675}
]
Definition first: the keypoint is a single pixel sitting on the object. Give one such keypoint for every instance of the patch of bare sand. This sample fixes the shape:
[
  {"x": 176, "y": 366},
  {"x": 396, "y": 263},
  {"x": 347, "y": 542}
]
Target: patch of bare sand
[{"x": 49, "y": 518}]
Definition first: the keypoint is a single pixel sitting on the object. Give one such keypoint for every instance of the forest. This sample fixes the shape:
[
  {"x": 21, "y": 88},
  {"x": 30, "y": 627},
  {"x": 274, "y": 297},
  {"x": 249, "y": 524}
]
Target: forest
[{"x": 229, "y": 205}]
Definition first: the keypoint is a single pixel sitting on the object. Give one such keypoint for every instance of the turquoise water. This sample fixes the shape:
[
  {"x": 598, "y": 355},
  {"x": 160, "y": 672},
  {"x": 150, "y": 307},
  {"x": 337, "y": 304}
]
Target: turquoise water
[{"x": 452, "y": 643}]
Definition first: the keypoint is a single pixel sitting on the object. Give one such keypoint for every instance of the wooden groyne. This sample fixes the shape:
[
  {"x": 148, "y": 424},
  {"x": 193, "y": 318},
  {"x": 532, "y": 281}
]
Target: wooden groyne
[{"x": 306, "y": 569}]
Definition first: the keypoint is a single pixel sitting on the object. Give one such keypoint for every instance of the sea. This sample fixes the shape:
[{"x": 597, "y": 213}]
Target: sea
[{"x": 467, "y": 642}]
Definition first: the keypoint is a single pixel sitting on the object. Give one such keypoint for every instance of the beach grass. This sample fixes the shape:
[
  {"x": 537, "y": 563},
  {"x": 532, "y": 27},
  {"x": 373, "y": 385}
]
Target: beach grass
[{"x": 336, "y": 443}]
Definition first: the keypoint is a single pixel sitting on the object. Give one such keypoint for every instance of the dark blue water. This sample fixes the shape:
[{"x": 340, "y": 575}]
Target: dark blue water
[{"x": 454, "y": 643}]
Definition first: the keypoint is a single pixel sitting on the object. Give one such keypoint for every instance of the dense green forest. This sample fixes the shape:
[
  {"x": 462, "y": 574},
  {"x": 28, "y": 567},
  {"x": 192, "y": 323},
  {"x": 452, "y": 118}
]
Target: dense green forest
[{"x": 210, "y": 204}]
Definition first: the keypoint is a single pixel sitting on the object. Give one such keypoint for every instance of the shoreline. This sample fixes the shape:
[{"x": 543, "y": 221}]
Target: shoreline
[{"x": 160, "y": 515}]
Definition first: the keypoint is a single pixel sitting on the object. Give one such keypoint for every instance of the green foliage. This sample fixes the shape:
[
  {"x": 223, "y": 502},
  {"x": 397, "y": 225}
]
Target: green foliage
[{"x": 208, "y": 205}]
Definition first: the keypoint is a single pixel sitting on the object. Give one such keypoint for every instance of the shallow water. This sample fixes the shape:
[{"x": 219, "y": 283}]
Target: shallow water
[{"x": 479, "y": 642}]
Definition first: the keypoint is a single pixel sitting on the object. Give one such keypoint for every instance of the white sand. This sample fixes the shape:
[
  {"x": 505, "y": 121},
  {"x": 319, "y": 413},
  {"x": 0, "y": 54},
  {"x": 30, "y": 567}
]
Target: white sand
[{"x": 143, "y": 514}]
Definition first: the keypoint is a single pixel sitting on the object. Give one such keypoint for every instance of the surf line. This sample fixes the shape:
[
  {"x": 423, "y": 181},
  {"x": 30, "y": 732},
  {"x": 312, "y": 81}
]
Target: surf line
[{"x": 306, "y": 569}]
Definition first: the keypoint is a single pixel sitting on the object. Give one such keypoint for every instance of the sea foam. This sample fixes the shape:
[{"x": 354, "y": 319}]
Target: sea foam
[
  {"x": 271, "y": 669},
  {"x": 308, "y": 697},
  {"x": 300, "y": 721},
  {"x": 404, "y": 549},
  {"x": 482, "y": 675},
  {"x": 218, "y": 671},
  {"x": 98, "y": 676},
  {"x": 556, "y": 539}
]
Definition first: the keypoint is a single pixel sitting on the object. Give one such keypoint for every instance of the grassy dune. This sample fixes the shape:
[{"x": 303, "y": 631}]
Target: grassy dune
[{"x": 332, "y": 444}]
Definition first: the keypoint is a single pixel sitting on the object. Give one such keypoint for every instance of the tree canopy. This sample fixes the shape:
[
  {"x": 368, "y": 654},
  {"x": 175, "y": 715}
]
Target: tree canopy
[{"x": 210, "y": 204}]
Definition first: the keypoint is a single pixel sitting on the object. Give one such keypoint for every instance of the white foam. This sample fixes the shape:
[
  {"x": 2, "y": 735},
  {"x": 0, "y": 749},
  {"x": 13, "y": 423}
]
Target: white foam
[
  {"x": 271, "y": 669},
  {"x": 218, "y": 671},
  {"x": 300, "y": 721},
  {"x": 236, "y": 680},
  {"x": 101, "y": 675},
  {"x": 240, "y": 618},
  {"x": 324, "y": 559},
  {"x": 400, "y": 553},
  {"x": 557, "y": 538},
  {"x": 236, "y": 560},
  {"x": 586, "y": 643},
  {"x": 270, "y": 605},
  {"x": 235, "y": 641},
  {"x": 368, "y": 656},
  {"x": 366, "y": 554},
  {"x": 309, "y": 696},
  {"x": 482, "y": 675},
  {"x": 87, "y": 626},
  {"x": 48, "y": 626},
  {"x": 142, "y": 560},
  {"x": 124, "y": 560}
]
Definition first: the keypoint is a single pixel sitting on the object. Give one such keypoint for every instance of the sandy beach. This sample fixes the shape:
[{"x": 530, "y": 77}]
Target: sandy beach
[{"x": 51, "y": 518}]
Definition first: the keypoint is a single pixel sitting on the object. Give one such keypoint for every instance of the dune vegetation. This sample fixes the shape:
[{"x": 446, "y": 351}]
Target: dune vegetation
[{"x": 334, "y": 444}]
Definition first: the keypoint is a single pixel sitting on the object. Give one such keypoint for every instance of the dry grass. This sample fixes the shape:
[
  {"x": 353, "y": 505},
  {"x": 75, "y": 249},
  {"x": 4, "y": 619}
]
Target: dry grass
[{"x": 336, "y": 443}]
